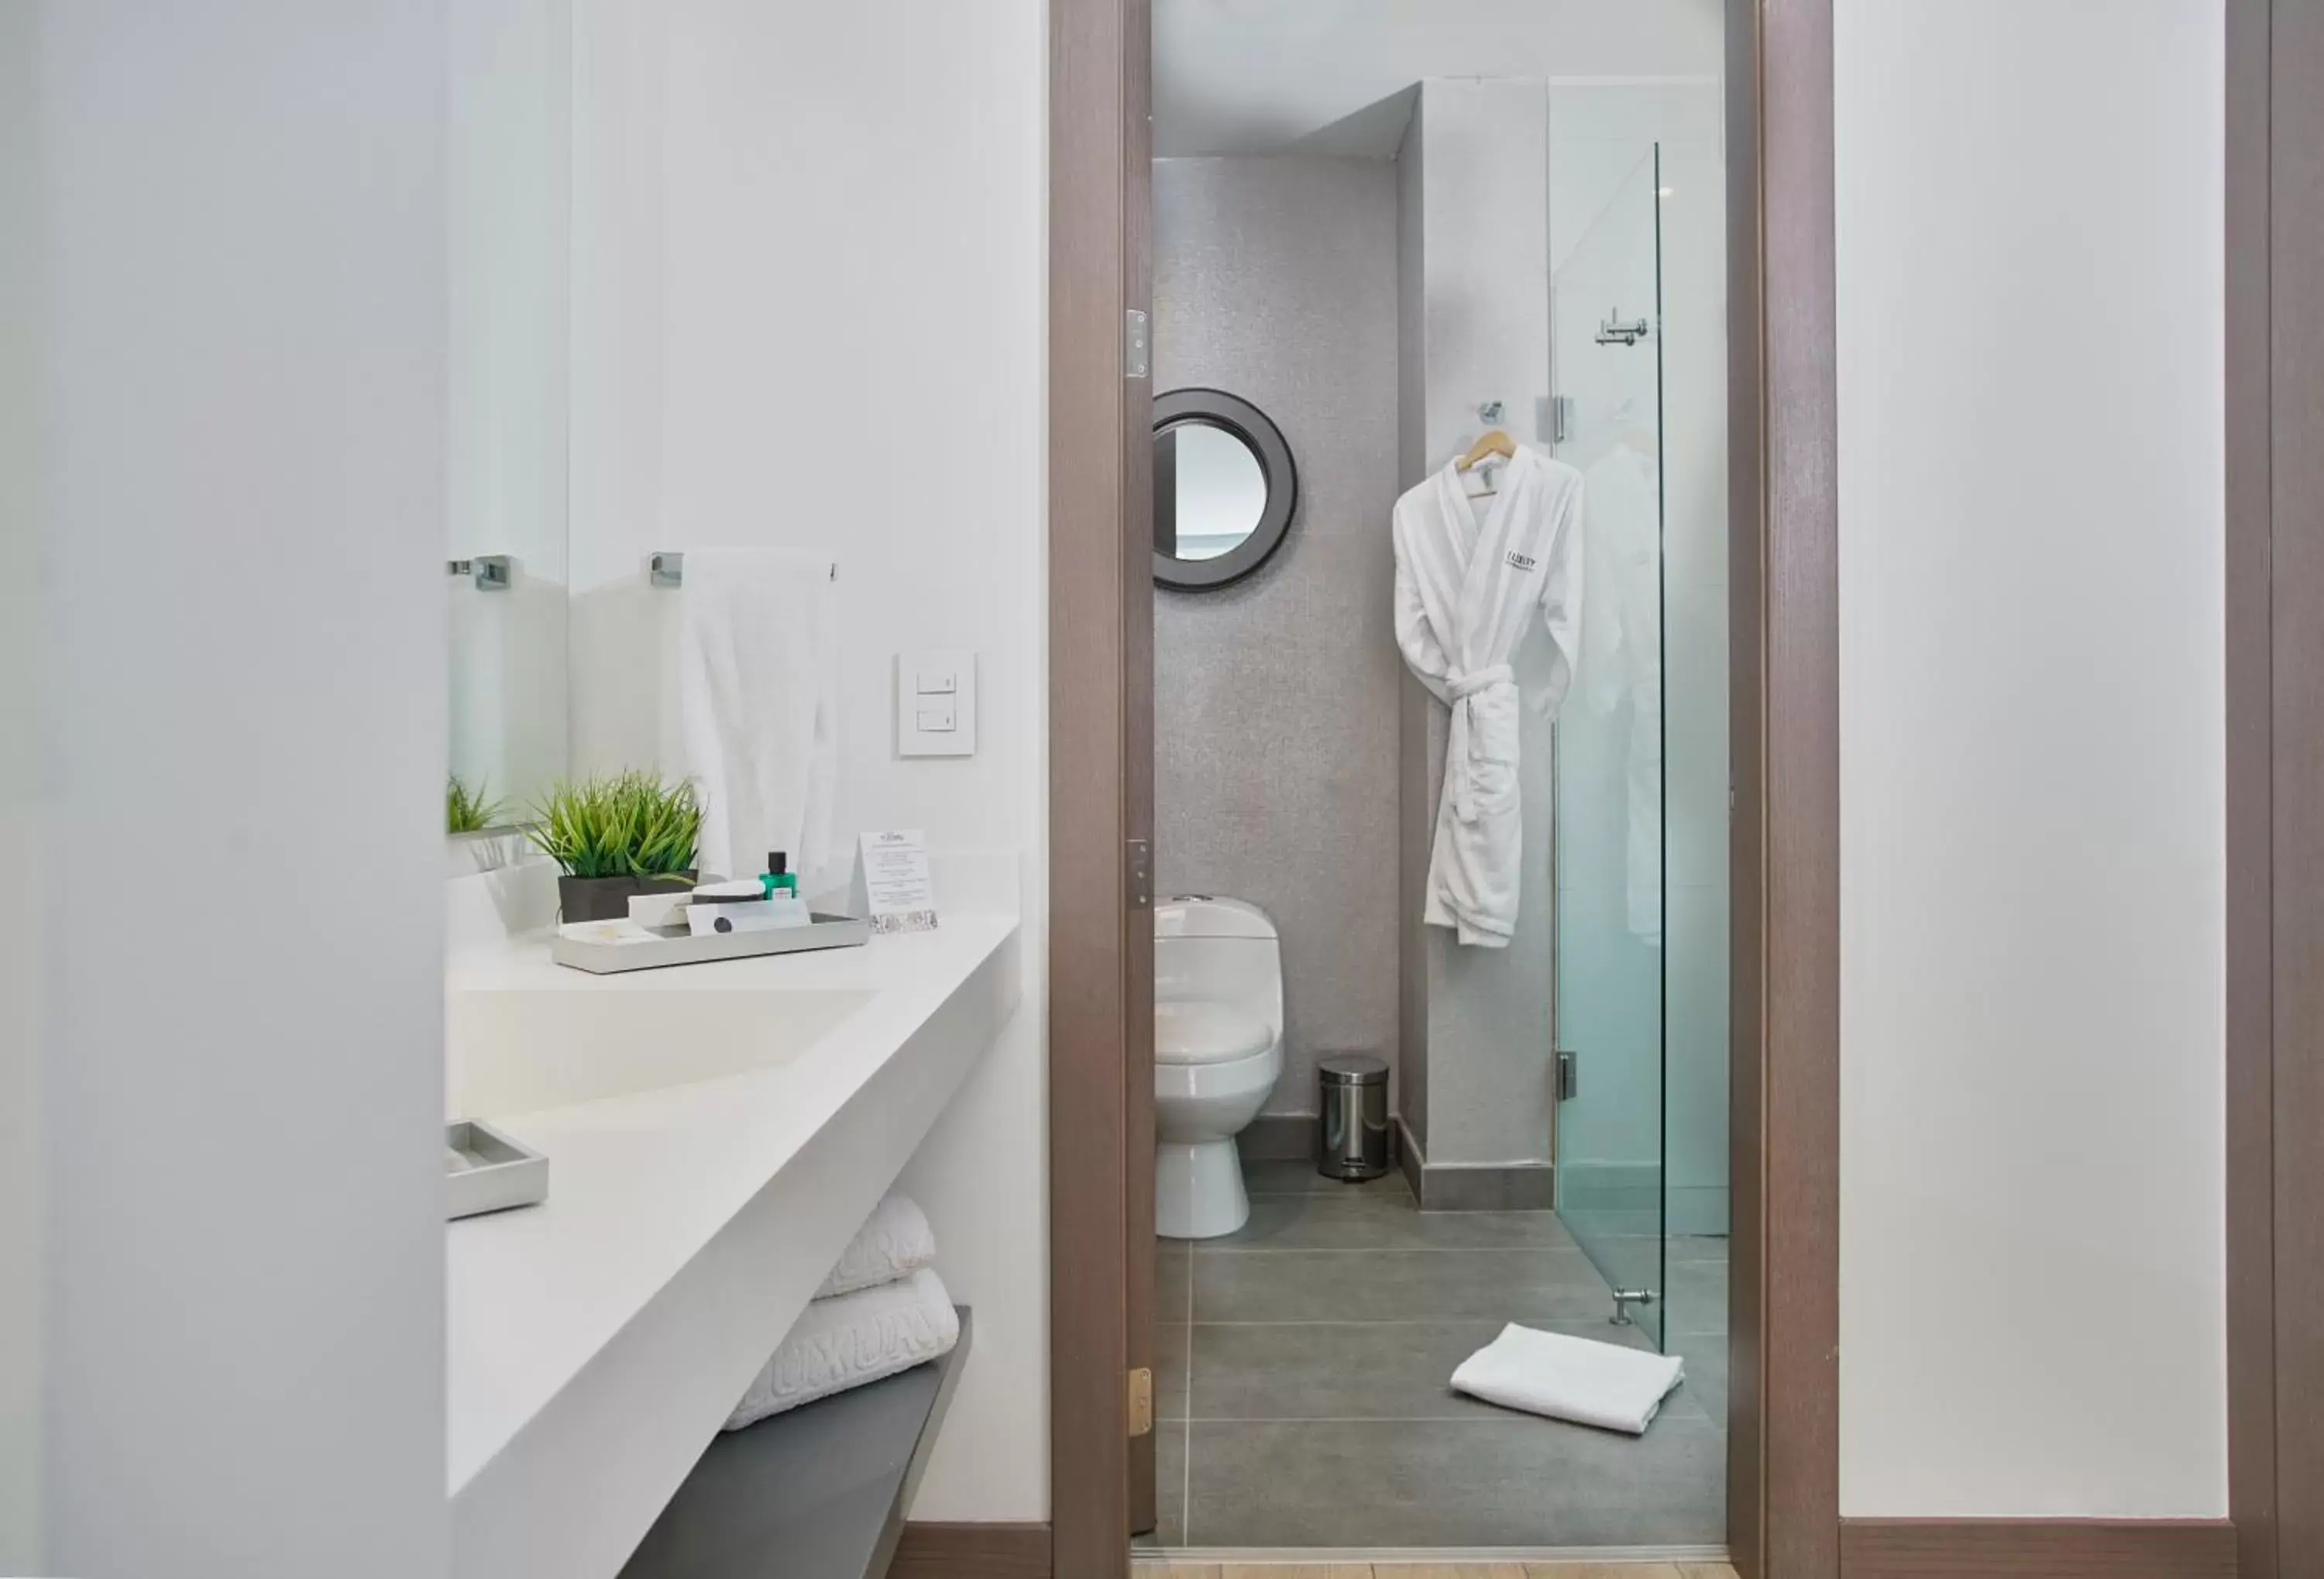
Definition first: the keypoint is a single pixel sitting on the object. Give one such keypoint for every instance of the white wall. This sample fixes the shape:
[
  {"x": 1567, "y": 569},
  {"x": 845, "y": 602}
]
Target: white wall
[
  {"x": 23, "y": 812},
  {"x": 241, "y": 697},
  {"x": 2030, "y": 474},
  {"x": 809, "y": 308}
]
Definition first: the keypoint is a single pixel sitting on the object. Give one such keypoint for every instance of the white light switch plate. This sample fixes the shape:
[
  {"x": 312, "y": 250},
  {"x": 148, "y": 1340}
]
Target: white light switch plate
[{"x": 936, "y": 704}]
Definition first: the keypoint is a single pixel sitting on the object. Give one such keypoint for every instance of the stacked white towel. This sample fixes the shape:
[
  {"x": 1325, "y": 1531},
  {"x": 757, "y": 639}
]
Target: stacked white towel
[
  {"x": 894, "y": 1243},
  {"x": 882, "y": 1310},
  {"x": 1571, "y": 1379}
]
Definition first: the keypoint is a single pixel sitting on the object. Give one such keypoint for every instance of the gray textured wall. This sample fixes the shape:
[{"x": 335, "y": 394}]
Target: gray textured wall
[
  {"x": 1484, "y": 1050},
  {"x": 1415, "y": 820},
  {"x": 1275, "y": 730}
]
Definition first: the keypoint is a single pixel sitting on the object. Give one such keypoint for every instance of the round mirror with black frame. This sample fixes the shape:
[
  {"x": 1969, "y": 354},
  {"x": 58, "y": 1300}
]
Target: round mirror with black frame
[{"x": 1224, "y": 488}]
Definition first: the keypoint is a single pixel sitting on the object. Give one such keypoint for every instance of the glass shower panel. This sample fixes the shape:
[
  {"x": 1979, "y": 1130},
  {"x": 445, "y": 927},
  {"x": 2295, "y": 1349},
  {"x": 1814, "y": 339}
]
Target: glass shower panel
[{"x": 1606, "y": 354}]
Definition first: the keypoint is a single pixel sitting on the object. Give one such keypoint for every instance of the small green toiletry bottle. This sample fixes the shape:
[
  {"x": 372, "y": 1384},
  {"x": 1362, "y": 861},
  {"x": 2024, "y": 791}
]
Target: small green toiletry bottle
[{"x": 779, "y": 878}]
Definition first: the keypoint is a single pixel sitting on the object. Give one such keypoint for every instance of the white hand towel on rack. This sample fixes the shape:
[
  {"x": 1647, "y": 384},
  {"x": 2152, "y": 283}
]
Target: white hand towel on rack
[
  {"x": 757, "y": 683},
  {"x": 1571, "y": 1379}
]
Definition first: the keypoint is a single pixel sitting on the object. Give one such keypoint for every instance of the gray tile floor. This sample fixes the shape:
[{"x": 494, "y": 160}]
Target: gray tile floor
[{"x": 1302, "y": 1398}]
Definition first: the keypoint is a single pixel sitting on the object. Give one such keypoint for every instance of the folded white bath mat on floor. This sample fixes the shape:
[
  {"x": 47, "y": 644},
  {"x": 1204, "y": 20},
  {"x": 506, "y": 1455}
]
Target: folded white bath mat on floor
[
  {"x": 853, "y": 1339},
  {"x": 894, "y": 1243},
  {"x": 1571, "y": 1379}
]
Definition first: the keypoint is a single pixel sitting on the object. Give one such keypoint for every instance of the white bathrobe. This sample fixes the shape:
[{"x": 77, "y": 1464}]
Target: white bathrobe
[{"x": 1466, "y": 588}]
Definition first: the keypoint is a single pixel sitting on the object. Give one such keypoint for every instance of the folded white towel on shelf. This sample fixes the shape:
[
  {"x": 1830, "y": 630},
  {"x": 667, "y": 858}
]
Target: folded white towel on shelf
[
  {"x": 1571, "y": 1379},
  {"x": 856, "y": 1338},
  {"x": 895, "y": 1242}
]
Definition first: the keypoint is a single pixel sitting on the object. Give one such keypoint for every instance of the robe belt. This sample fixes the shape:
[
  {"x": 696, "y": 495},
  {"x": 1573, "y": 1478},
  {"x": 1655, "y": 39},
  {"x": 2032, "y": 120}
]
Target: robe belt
[{"x": 1458, "y": 688}]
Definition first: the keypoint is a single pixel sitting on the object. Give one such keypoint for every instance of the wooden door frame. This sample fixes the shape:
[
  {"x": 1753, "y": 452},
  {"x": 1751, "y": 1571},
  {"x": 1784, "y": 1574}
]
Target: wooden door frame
[
  {"x": 1783, "y": 1481},
  {"x": 2275, "y": 788},
  {"x": 1095, "y": 274},
  {"x": 1784, "y": 1463},
  {"x": 1782, "y": 1432}
]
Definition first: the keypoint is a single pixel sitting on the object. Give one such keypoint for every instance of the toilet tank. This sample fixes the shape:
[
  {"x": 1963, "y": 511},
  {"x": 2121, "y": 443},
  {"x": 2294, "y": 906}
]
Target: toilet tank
[{"x": 1221, "y": 950}]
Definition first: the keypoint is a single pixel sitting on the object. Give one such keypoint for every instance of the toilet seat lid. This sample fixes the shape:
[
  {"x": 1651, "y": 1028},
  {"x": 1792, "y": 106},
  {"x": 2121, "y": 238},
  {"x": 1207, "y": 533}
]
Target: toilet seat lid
[{"x": 1196, "y": 1030}]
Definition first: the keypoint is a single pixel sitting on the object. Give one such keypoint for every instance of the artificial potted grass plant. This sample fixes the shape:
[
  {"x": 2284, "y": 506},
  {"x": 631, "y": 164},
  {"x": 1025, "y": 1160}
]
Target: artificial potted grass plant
[{"x": 615, "y": 835}]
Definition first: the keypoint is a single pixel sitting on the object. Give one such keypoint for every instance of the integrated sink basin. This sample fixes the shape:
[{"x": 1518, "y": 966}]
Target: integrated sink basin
[
  {"x": 522, "y": 1051},
  {"x": 715, "y": 1134}
]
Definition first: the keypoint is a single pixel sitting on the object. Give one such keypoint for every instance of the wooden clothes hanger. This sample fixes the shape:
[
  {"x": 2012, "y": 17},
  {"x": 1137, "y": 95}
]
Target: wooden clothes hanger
[{"x": 1494, "y": 442}]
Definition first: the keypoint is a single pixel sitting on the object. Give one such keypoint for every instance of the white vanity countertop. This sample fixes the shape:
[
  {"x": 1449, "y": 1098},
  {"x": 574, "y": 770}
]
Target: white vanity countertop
[{"x": 595, "y": 1340}]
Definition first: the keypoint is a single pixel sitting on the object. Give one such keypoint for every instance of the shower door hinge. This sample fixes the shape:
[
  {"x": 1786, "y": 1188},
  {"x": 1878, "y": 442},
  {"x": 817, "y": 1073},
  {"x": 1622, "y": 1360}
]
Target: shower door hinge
[
  {"x": 1626, "y": 1297},
  {"x": 1569, "y": 1085},
  {"x": 1137, "y": 347},
  {"x": 1141, "y": 1402},
  {"x": 1142, "y": 874}
]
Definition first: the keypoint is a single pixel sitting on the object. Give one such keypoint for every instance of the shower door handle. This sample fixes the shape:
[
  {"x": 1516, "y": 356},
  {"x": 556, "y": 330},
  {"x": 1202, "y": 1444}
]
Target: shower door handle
[{"x": 1569, "y": 1083}]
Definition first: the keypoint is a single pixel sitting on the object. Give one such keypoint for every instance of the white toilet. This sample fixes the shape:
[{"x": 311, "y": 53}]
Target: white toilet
[{"x": 1218, "y": 1049}]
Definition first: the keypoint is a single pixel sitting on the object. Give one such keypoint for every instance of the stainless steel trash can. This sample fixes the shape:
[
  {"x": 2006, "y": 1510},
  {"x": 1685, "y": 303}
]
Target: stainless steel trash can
[{"x": 1351, "y": 1141}]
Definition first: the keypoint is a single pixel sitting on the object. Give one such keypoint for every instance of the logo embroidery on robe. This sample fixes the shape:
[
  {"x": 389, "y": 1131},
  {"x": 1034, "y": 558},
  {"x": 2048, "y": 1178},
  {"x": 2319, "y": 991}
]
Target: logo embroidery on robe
[{"x": 1517, "y": 561}]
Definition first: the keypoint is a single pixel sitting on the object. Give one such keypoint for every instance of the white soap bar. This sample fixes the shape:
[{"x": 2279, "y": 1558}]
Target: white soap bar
[
  {"x": 760, "y": 915},
  {"x": 666, "y": 907}
]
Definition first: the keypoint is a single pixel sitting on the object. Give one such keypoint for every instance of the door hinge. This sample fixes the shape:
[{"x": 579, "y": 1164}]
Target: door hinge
[
  {"x": 1137, "y": 347},
  {"x": 1568, "y": 1084},
  {"x": 1142, "y": 874},
  {"x": 1141, "y": 1402}
]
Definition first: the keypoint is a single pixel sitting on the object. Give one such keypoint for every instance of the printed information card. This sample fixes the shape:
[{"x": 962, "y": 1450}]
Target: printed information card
[{"x": 892, "y": 891}]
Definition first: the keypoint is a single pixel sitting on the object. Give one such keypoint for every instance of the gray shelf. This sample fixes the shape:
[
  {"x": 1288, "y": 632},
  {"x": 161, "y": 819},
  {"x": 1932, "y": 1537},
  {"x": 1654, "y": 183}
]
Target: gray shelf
[{"x": 816, "y": 1494}]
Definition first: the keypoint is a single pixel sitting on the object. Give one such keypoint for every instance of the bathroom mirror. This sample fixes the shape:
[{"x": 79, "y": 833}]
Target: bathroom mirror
[
  {"x": 507, "y": 259},
  {"x": 1224, "y": 488}
]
